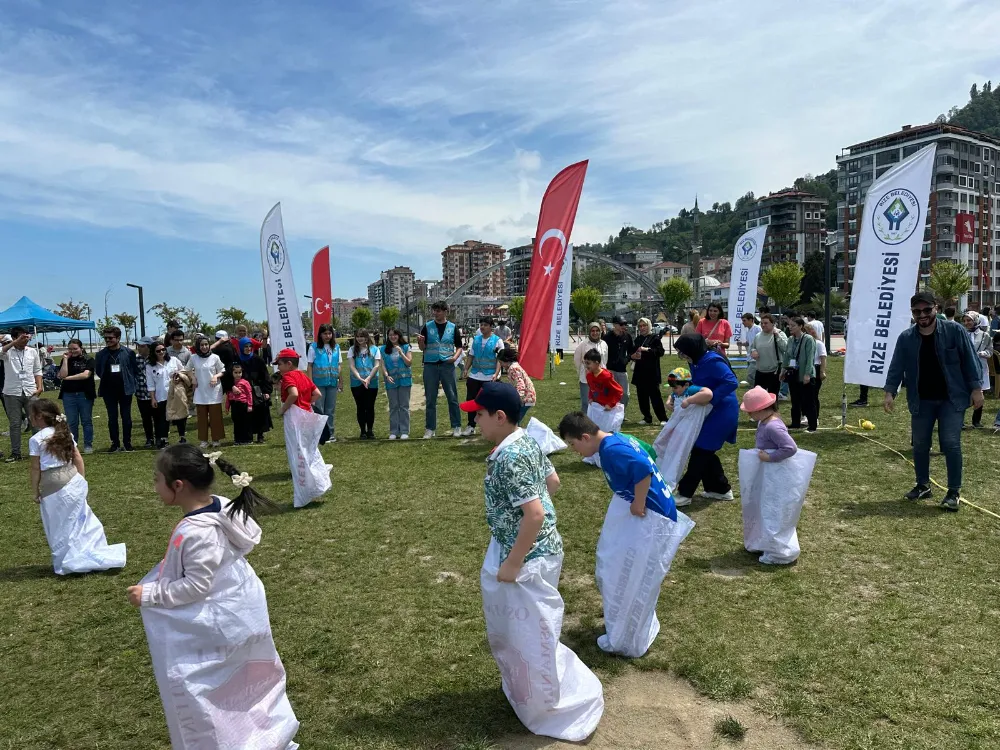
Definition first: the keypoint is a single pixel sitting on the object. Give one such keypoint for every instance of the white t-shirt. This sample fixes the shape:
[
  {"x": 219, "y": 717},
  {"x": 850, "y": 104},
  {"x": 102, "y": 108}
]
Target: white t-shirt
[
  {"x": 373, "y": 350},
  {"x": 204, "y": 368},
  {"x": 21, "y": 367},
  {"x": 820, "y": 351},
  {"x": 158, "y": 377},
  {"x": 37, "y": 447},
  {"x": 311, "y": 353}
]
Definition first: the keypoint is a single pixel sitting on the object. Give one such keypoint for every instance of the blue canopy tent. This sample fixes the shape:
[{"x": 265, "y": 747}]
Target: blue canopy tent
[{"x": 27, "y": 314}]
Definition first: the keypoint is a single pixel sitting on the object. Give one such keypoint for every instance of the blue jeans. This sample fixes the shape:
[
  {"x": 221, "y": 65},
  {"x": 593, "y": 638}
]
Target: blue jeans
[
  {"x": 328, "y": 405},
  {"x": 441, "y": 374},
  {"x": 949, "y": 421},
  {"x": 584, "y": 397},
  {"x": 78, "y": 409}
]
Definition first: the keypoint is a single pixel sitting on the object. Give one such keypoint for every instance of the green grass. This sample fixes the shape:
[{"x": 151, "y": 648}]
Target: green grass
[
  {"x": 883, "y": 635},
  {"x": 731, "y": 729}
]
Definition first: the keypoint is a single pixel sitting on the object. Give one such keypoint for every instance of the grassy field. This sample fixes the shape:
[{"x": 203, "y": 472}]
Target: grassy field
[{"x": 884, "y": 635}]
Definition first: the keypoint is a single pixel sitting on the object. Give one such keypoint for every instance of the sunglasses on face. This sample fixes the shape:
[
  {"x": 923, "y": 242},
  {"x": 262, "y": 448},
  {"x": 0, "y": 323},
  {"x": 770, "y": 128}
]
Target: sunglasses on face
[
  {"x": 922, "y": 312},
  {"x": 160, "y": 351}
]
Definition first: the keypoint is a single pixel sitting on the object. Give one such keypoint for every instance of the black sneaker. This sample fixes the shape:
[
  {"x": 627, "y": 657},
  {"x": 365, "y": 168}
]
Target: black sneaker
[
  {"x": 128, "y": 449},
  {"x": 113, "y": 449},
  {"x": 183, "y": 441},
  {"x": 859, "y": 402},
  {"x": 919, "y": 492},
  {"x": 950, "y": 501},
  {"x": 793, "y": 426},
  {"x": 13, "y": 458},
  {"x": 149, "y": 445}
]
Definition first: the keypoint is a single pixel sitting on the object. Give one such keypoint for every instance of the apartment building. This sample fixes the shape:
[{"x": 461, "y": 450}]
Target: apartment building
[
  {"x": 517, "y": 272},
  {"x": 796, "y": 223},
  {"x": 461, "y": 262}
]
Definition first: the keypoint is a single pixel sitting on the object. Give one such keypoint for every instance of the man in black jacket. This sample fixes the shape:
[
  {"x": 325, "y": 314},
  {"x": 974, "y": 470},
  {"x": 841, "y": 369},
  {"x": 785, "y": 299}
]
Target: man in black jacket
[{"x": 620, "y": 348}]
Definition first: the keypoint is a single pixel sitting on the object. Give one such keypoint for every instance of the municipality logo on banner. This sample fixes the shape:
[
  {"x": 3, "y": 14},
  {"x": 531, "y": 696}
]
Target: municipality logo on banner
[
  {"x": 888, "y": 262},
  {"x": 284, "y": 320},
  {"x": 275, "y": 254},
  {"x": 746, "y": 272}
]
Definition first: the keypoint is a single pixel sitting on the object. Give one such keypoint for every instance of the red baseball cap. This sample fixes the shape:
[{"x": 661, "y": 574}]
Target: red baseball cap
[{"x": 287, "y": 354}]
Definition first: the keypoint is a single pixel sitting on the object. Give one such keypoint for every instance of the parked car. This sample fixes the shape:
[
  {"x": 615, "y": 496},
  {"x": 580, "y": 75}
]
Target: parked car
[
  {"x": 838, "y": 324},
  {"x": 662, "y": 329}
]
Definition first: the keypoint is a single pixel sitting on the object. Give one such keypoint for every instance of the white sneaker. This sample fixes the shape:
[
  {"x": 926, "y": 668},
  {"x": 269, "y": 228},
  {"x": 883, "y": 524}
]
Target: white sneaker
[
  {"x": 203, "y": 445},
  {"x": 718, "y": 495},
  {"x": 332, "y": 440},
  {"x": 428, "y": 434},
  {"x": 404, "y": 437},
  {"x": 457, "y": 432},
  {"x": 217, "y": 444},
  {"x": 468, "y": 431},
  {"x": 663, "y": 424},
  {"x": 680, "y": 501},
  {"x": 392, "y": 437}
]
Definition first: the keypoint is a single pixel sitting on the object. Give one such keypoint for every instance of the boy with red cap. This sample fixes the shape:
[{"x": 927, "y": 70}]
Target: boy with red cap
[{"x": 303, "y": 430}]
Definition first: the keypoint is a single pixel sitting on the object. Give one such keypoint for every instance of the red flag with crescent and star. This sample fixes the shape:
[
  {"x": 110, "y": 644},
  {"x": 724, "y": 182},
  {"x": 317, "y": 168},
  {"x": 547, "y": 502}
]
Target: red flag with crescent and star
[
  {"x": 322, "y": 307},
  {"x": 555, "y": 224}
]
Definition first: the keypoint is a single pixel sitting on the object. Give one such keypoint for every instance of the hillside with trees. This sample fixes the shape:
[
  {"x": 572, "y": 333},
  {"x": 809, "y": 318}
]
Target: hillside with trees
[{"x": 981, "y": 113}]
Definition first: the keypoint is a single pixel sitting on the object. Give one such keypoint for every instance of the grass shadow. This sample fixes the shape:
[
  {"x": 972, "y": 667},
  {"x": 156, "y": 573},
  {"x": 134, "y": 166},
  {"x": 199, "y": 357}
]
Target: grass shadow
[
  {"x": 26, "y": 573},
  {"x": 287, "y": 508},
  {"x": 890, "y": 509},
  {"x": 735, "y": 564}
]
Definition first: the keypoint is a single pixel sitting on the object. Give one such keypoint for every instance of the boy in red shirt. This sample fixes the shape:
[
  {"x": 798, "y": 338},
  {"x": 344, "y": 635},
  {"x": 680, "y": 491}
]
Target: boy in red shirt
[
  {"x": 296, "y": 387},
  {"x": 604, "y": 389}
]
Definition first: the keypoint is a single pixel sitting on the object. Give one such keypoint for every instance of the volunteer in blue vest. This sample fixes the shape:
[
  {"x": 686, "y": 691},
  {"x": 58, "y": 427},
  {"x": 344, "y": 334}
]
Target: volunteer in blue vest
[
  {"x": 441, "y": 342},
  {"x": 481, "y": 365},
  {"x": 364, "y": 358},
  {"x": 323, "y": 357},
  {"x": 396, "y": 360}
]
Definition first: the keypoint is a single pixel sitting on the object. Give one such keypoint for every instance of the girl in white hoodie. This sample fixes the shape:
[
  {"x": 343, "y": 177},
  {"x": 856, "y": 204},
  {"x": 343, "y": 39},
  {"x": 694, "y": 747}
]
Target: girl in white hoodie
[{"x": 205, "y": 614}]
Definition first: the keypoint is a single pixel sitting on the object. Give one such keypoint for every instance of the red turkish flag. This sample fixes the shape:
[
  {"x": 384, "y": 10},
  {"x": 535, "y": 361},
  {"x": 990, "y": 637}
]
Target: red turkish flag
[
  {"x": 322, "y": 310},
  {"x": 555, "y": 224},
  {"x": 964, "y": 224}
]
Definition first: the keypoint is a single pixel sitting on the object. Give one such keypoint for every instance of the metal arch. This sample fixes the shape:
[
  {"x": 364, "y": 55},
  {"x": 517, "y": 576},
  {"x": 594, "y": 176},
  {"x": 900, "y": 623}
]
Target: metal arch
[{"x": 642, "y": 280}]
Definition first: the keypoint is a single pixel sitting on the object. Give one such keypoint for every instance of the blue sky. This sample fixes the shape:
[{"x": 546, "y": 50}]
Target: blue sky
[{"x": 145, "y": 142}]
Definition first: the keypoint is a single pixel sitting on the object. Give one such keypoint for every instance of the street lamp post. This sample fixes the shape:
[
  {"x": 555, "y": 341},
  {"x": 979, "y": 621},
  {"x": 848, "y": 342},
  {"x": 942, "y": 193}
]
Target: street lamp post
[{"x": 142, "y": 309}]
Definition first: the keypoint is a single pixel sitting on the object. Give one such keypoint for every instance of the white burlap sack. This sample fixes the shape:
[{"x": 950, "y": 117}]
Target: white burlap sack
[
  {"x": 552, "y": 692},
  {"x": 220, "y": 678},
  {"x": 633, "y": 557},
  {"x": 772, "y": 496},
  {"x": 75, "y": 536},
  {"x": 547, "y": 440},
  {"x": 608, "y": 420},
  {"x": 310, "y": 473},
  {"x": 674, "y": 443}
]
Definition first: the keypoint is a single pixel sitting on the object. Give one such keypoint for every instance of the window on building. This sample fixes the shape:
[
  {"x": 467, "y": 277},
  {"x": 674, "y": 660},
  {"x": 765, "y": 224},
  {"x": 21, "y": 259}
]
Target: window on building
[
  {"x": 961, "y": 180},
  {"x": 979, "y": 152},
  {"x": 963, "y": 164},
  {"x": 977, "y": 168},
  {"x": 961, "y": 197}
]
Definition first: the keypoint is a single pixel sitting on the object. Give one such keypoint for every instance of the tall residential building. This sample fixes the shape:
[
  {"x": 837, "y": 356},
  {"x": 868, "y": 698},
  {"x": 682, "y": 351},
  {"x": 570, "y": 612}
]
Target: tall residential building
[
  {"x": 517, "y": 272},
  {"x": 392, "y": 289},
  {"x": 796, "y": 225},
  {"x": 422, "y": 288},
  {"x": 343, "y": 308},
  {"x": 965, "y": 180},
  {"x": 459, "y": 263},
  {"x": 376, "y": 296}
]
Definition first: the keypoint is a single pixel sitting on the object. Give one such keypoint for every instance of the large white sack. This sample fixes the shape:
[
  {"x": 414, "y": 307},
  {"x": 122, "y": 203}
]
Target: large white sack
[
  {"x": 220, "y": 678},
  {"x": 310, "y": 473},
  {"x": 542, "y": 434},
  {"x": 75, "y": 535},
  {"x": 609, "y": 420},
  {"x": 674, "y": 443},
  {"x": 772, "y": 495},
  {"x": 633, "y": 557},
  {"x": 552, "y": 692}
]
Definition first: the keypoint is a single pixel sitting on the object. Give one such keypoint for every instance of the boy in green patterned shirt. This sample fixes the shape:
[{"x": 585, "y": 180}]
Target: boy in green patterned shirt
[{"x": 519, "y": 482}]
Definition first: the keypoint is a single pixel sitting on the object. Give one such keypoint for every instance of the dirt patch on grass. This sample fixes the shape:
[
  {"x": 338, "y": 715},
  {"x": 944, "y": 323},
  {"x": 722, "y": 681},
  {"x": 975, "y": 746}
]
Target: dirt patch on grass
[{"x": 655, "y": 711}]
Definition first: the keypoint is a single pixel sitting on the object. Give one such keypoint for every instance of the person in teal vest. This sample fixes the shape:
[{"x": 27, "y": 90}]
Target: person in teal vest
[
  {"x": 441, "y": 342},
  {"x": 481, "y": 365},
  {"x": 324, "y": 359},
  {"x": 396, "y": 361},
  {"x": 364, "y": 358}
]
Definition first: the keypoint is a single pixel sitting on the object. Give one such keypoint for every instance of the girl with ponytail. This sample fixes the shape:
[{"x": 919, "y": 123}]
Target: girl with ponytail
[
  {"x": 59, "y": 487},
  {"x": 205, "y": 612}
]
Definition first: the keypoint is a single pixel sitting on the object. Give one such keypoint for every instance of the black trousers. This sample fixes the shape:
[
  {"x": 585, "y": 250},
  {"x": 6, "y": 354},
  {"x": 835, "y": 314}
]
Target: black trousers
[
  {"x": 803, "y": 401},
  {"x": 181, "y": 425},
  {"x": 147, "y": 416},
  {"x": 863, "y": 395},
  {"x": 159, "y": 415},
  {"x": 704, "y": 468},
  {"x": 818, "y": 383},
  {"x": 472, "y": 389},
  {"x": 242, "y": 426},
  {"x": 977, "y": 416},
  {"x": 769, "y": 381},
  {"x": 649, "y": 393},
  {"x": 115, "y": 404},
  {"x": 365, "y": 400}
]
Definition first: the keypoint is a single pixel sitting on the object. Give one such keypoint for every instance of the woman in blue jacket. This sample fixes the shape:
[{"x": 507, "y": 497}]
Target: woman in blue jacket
[{"x": 709, "y": 370}]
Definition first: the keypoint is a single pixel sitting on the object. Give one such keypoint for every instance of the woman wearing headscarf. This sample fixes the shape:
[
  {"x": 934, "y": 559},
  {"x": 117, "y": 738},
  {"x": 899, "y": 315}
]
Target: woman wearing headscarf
[
  {"x": 709, "y": 369},
  {"x": 255, "y": 373},
  {"x": 978, "y": 327},
  {"x": 594, "y": 341},
  {"x": 646, "y": 375}
]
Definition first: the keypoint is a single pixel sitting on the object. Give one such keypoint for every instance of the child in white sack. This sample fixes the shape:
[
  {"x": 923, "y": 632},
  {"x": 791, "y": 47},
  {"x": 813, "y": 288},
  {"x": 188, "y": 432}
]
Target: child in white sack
[
  {"x": 636, "y": 547},
  {"x": 205, "y": 614},
  {"x": 75, "y": 536},
  {"x": 606, "y": 408},
  {"x": 552, "y": 692}
]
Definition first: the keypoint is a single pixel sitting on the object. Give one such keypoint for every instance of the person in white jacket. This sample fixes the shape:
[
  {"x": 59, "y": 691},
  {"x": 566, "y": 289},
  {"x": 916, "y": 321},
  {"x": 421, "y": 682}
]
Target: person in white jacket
[
  {"x": 205, "y": 615},
  {"x": 594, "y": 341}
]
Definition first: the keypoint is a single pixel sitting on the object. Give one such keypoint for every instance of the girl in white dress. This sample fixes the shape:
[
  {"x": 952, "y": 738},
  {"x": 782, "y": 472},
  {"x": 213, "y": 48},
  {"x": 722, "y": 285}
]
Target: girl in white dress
[{"x": 75, "y": 536}]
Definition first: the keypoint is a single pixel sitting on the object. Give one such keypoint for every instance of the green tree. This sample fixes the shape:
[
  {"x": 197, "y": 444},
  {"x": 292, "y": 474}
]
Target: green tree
[
  {"x": 782, "y": 283},
  {"x": 191, "y": 320},
  {"x": 675, "y": 292},
  {"x": 949, "y": 280},
  {"x": 106, "y": 322},
  {"x": 71, "y": 309},
  {"x": 127, "y": 323},
  {"x": 388, "y": 317},
  {"x": 587, "y": 302},
  {"x": 599, "y": 277},
  {"x": 307, "y": 323},
  {"x": 838, "y": 303},
  {"x": 230, "y": 317},
  {"x": 361, "y": 317},
  {"x": 516, "y": 308},
  {"x": 166, "y": 313},
  {"x": 813, "y": 276}
]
